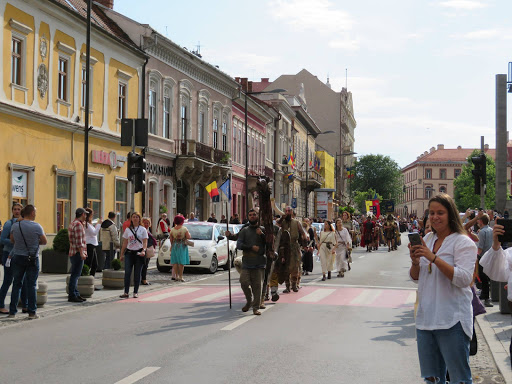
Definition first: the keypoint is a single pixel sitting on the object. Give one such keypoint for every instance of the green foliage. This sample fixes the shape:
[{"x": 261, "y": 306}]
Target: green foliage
[
  {"x": 163, "y": 208},
  {"x": 464, "y": 186},
  {"x": 361, "y": 197},
  {"x": 61, "y": 241},
  {"x": 86, "y": 270},
  {"x": 379, "y": 173},
  {"x": 349, "y": 209},
  {"x": 115, "y": 264}
]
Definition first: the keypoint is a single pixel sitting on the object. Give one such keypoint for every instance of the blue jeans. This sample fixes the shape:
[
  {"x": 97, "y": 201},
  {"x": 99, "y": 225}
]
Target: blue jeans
[
  {"x": 22, "y": 270},
  {"x": 444, "y": 349},
  {"x": 76, "y": 270},
  {"x": 7, "y": 283},
  {"x": 132, "y": 260}
]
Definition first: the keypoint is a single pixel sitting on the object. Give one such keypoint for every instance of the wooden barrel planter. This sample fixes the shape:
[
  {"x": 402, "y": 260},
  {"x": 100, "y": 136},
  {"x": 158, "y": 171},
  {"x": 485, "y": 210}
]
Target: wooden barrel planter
[
  {"x": 85, "y": 285},
  {"x": 42, "y": 293}
]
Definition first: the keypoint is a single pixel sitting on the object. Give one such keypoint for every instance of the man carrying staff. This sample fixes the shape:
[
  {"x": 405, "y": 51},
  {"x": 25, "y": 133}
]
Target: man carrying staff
[{"x": 251, "y": 240}]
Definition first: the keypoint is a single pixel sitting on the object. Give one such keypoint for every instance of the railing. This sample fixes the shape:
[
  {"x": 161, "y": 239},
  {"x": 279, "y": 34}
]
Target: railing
[
  {"x": 219, "y": 156},
  {"x": 203, "y": 151}
]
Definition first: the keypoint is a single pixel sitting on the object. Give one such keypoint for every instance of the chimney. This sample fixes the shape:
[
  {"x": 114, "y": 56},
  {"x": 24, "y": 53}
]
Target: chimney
[
  {"x": 243, "y": 81},
  {"x": 265, "y": 79},
  {"x": 249, "y": 86},
  {"x": 432, "y": 149},
  {"x": 425, "y": 153},
  {"x": 486, "y": 147},
  {"x": 106, "y": 3},
  {"x": 440, "y": 146},
  {"x": 459, "y": 147}
]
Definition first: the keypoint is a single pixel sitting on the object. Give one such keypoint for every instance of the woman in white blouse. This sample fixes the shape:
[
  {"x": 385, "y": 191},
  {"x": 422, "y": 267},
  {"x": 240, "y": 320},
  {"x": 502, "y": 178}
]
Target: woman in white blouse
[
  {"x": 91, "y": 239},
  {"x": 344, "y": 244},
  {"x": 443, "y": 267}
]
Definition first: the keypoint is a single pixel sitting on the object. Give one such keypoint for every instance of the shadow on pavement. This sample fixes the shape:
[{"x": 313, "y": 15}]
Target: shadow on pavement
[{"x": 404, "y": 328}]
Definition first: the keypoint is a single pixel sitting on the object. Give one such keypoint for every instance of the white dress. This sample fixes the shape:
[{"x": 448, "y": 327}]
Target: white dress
[
  {"x": 344, "y": 242},
  {"x": 327, "y": 243}
]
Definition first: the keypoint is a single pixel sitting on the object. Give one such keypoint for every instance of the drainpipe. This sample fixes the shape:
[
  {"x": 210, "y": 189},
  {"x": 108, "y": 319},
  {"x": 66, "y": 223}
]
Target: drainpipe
[{"x": 143, "y": 113}]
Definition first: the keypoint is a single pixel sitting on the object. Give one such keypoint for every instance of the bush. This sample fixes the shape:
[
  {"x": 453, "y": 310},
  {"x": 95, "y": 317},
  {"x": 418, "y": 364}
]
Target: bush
[
  {"x": 86, "y": 270},
  {"x": 116, "y": 264},
  {"x": 61, "y": 241}
]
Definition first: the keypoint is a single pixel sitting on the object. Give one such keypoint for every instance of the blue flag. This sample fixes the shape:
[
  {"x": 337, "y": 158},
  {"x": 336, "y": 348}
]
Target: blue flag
[{"x": 225, "y": 188}]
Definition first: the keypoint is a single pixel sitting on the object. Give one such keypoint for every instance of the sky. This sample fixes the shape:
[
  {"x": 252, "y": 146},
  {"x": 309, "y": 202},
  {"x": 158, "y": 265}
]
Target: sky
[{"x": 421, "y": 72}]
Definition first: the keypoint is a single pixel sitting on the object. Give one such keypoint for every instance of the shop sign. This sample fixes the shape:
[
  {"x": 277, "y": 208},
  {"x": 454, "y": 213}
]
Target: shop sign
[
  {"x": 157, "y": 169},
  {"x": 108, "y": 158},
  {"x": 322, "y": 199},
  {"x": 19, "y": 184}
]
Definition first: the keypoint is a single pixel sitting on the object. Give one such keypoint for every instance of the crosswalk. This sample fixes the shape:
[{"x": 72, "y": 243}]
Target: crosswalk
[{"x": 337, "y": 296}]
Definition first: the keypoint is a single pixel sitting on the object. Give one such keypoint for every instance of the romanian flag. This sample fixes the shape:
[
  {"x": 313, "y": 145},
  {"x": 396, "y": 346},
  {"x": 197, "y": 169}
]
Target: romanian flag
[
  {"x": 212, "y": 189},
  {"x": 350, "y": 173}
]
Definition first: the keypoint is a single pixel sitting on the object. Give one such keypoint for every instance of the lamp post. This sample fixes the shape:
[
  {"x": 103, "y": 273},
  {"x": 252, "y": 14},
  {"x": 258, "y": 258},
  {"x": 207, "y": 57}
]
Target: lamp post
[
  {"x": 307, "y": 165},
  {"x": 247, "y": 145}
]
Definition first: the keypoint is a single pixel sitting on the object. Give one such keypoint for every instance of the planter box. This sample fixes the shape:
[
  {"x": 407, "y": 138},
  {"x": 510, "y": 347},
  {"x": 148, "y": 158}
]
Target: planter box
[
  {"x": 85, "y": 285},
  {"x": 113, "y": 279},
  {"x": 54, "y": 262}
]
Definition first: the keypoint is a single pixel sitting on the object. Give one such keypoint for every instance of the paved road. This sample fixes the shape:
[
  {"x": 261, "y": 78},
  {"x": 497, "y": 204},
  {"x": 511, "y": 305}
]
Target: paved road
[{"x": 357, "y": 329}]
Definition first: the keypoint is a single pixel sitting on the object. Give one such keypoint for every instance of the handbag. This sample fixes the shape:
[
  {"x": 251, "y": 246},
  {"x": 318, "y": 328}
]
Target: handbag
[
  {"x": 473, "y": 344},
  {"x": 190, "y": 243},
  {"x": 150, "y": 252}
]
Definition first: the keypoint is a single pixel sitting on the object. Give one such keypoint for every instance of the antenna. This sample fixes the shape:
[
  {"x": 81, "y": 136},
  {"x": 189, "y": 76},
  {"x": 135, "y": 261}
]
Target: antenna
[
  {"x": 166, "y": 34},
  {"x": 346, "y": 79}
]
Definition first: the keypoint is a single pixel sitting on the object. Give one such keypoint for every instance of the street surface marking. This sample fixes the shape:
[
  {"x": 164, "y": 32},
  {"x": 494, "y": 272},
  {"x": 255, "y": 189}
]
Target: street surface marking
[
  {"x": 218, "y": 295},
  {"x": 244, "y": 320},
  {"x": 138, "y": 375},
  {"x": 316, "y": 296},
  {"x": 366, "y": 297},
  {"x": 166, "y": 295},
  {"x": 360, "y": 257}
]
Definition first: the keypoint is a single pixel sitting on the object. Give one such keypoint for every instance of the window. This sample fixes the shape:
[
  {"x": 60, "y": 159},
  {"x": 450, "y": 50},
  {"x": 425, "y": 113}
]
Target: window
[
  {"x": 20, "y": 184},
  {"x": 215, "y": 133},
  {"x": 152, "y": 111},
  {"x": 121, "y": 113},
  {"x": 428, "y": 191},
  {"x": 62, "y": 92},
  {"x": 442, "y": 174},
  {"x": 200, "y": 128},
  {"x": 16, "y": 68},
  {"x": 84, "y": 86},
  {"x": 167, "y": 116},
  {"x": 240, "y": 138},
  {"x": 225, "y": 136},
  {"x": 234, "y": 142},
  {"x": 94, "y": 195},
  {"x": 442, "y": 189},
  {"x": 121, "y": 198},
  {"x": 428, "y": 173},
  {"x": 167, "y": 189},
  {"x": 183, "y": 122},
  {"x": 456, "y": 173},
  {"x": 63, "y": 201}
]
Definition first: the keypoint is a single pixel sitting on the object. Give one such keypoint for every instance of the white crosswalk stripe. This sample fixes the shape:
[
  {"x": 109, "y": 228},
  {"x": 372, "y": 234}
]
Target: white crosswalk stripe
[
  {"x": 167, "y": 295},
  {"x": 316, "y": 296},
  {"x": 366, "y": 297},
  {"x": 217, "y": 295}
]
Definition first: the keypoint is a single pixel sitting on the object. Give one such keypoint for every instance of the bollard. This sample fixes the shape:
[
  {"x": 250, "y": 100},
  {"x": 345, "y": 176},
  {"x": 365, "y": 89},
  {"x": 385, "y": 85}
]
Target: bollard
[{"x": 42, "y": 293}]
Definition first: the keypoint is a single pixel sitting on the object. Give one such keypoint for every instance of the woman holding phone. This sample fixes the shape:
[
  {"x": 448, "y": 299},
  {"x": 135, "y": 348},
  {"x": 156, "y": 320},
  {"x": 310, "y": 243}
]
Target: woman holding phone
[{"x": 443, "y": 267}]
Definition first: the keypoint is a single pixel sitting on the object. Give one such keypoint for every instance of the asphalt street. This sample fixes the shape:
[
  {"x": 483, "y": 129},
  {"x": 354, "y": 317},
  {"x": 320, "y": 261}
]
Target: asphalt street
[{"x": 357, "y": 329}]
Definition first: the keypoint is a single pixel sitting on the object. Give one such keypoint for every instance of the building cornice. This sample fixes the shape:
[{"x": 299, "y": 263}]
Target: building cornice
[{"x": 189, "y": 64}]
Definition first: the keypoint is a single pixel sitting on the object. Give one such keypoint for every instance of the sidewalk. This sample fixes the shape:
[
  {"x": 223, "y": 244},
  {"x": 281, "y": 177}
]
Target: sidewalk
[{"x": 497, "y": 330}]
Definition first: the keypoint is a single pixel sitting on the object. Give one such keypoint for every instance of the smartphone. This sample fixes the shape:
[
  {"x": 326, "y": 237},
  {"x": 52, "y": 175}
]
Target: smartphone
[
  {"x": 507, "y": 223},
  {"x": 414, "y": 239}
]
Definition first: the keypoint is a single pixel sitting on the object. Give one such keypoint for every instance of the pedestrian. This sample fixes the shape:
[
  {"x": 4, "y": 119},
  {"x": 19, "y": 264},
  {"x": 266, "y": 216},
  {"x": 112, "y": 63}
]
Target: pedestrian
[
  {"x": 192, "y": 217},
  {"x": 344, "y": 245},
  {"x": 162, "y": 228},
  {"x": 307, "y": 256},
  {"x": 77, "y": 254},
  {"x": 150, "y": 251},
  {"x": 443, "y": 267},
  {"x": 251, "y": 240},
  {"x": 5, "y": 239},
  {"x": 484, "y": 244},
  {"x": 223, "y": 219},
  {"x": 367, "y": 228},
  {"x": 27, "y": 236},
  {"x": 109, "y": 237},
  {"x": 135, "y": 242},
  {"x": 179, "y": 248},
  {"x": 127, "y": 223},
  {"x": 327, "y": 249},
  {"x": 235, "y": 219},
  {"x": 212, "y": 218},
  {"x": 91, "y": 239},
  {"x": 389, "y": 232}
]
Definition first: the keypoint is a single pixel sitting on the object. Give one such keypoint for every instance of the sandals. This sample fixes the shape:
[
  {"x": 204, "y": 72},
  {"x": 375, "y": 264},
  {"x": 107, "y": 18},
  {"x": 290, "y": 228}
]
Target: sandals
[{"x": 124, "y": 296}]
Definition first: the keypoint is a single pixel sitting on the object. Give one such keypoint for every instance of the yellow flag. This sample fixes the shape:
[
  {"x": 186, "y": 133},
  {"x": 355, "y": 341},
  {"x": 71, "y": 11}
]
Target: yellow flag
[{"x": 369, "y": 204}]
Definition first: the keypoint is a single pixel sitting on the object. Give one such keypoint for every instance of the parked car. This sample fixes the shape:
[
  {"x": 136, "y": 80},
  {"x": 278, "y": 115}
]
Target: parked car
[
  {"x": 319, "y": 227},
  {"x": 209, "y": 250}
]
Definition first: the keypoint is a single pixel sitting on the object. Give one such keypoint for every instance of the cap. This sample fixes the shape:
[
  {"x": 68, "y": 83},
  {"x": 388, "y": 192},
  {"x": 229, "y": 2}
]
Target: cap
[{"x": 80, "y": 211}]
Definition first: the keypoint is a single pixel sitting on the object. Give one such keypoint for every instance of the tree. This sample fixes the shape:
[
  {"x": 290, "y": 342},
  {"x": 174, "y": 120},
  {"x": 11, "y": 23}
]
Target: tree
[
  {"x": 361, "y": 197},
  {"x": 379, "y": 173},
  {"x": 464, "y": 186}
]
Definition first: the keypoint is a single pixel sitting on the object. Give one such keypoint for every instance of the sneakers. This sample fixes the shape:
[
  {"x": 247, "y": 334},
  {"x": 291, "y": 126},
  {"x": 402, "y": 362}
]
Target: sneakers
[
  {"x": 75, "y": 299},
  {"x": 33, "y": 316},
  {"x": 81, "y": 298},
  {"x": 275, "y": 297},
  {"x": 488, "y": 303}
]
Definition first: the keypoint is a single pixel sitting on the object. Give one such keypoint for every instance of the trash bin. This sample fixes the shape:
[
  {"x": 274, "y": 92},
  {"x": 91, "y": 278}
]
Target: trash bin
[
  {"x": 495, "y": 291},
  {"x": 504, "y": 308}
]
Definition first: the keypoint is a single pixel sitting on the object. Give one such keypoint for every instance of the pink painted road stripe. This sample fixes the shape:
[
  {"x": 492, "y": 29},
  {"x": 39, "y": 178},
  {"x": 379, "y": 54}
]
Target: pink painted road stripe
[
  {"x": 342, "y": 296},
  {"x": 390, "y": 298}
]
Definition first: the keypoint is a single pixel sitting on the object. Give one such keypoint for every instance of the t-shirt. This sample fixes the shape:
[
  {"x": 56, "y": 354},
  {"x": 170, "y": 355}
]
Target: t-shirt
[
  {"x": 133, "y": 243},
  {"x": 32, "y": 231}
]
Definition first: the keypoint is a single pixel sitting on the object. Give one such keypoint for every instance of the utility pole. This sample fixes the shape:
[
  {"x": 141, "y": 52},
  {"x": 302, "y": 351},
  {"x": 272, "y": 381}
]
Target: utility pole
[{"x": 483, "y": 180}]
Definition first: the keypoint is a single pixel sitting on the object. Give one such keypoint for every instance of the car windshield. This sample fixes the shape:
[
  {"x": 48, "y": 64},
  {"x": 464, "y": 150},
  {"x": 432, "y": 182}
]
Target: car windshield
[{"x": 200, "y": 232}]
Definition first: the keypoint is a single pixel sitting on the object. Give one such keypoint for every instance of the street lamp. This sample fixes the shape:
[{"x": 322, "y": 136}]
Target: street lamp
[
  {"x": 278, "y": 90},
  {"x": 307, "y": 165}
]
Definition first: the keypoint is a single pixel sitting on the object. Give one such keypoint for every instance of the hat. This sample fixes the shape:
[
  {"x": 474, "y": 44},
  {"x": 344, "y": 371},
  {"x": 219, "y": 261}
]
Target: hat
[{"x": 80, "y": 211}]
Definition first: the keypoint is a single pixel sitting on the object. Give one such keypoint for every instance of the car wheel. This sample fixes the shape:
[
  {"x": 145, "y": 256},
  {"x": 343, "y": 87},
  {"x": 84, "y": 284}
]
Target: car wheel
[
  {"x": 162, "y": 268},
  {"x": 214, "y": 265},
  {"x": 226, "y": 266}
]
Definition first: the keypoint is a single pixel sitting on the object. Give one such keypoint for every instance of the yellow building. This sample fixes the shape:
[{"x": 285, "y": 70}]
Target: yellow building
[
  {"x": 42, "y": 106},
  {"x": 326, "y": 168}
]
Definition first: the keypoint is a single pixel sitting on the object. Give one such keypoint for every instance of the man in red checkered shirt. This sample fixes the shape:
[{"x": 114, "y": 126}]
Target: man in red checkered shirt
[{"x": 77, "y": 253}]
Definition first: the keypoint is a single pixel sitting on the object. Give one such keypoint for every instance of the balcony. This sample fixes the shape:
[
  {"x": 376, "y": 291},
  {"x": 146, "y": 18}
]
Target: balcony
[
  {"x": 315, "y": 180},
  {"x": 202, "y": 151}
]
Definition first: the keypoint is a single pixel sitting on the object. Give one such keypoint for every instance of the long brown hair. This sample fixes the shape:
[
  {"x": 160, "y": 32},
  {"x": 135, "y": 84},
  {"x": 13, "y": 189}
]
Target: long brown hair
[{"x": 453, "y": 214}]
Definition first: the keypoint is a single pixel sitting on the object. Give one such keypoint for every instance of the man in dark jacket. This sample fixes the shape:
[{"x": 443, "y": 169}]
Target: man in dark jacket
[
  {"x": 251, "y": 240},
  {"x": 109, "y": 238}
]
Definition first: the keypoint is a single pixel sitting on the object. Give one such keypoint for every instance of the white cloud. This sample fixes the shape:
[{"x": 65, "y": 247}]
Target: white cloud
[
  {"x": 345, "y": 44},
  {"x": 467, "y": 5},
  {"x": 478, "y": 35},
  {"x": 318, "y": 15}
]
